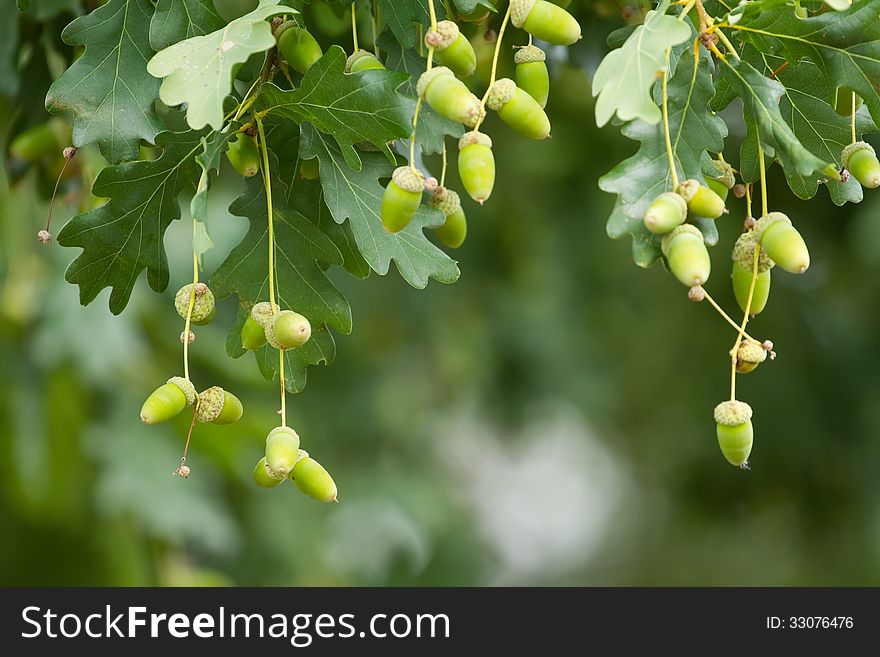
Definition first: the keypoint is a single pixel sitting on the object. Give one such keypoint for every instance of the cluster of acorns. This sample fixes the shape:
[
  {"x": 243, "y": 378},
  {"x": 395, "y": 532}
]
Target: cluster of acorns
[
  {"x": 765, "y": 243},
  {"x": 520, "y": 104}
]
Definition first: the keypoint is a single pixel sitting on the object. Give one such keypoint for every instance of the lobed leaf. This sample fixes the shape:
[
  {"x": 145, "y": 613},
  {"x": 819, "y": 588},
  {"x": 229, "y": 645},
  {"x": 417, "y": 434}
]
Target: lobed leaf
[{"x": 176, "y": 20}]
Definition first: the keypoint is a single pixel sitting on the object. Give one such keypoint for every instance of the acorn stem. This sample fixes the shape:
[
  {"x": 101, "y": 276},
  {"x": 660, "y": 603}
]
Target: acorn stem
[
  {"x": 672, "y": 169},
  {"x": 281, "y": 379},
  {"x": 494, "y": 71},
  {"x": 428, "y": 66},
  {"x": 745, "y": 320},
  {"x": 188, "y": 437},
  {"x": 727, "y": 317},
  {"x": 58, "y": 184},
  {"x": 764, "y": 209},
  {"x": 443, "y": 166},
  {"x": 354, "y": 28},
  {"x": 853, "y": 119},
  {"x": 189, "y": 309}
]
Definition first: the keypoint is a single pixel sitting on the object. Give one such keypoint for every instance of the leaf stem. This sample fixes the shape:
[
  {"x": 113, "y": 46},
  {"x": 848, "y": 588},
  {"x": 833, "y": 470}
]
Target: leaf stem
[
  {"x": 672, "y": 168},
  {"x": 354, "y": 27},
  {"x": 494, "y": 71}
]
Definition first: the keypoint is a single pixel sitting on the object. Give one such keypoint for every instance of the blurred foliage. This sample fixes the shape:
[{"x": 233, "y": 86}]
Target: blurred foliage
[{"x": 545, "y": 420}]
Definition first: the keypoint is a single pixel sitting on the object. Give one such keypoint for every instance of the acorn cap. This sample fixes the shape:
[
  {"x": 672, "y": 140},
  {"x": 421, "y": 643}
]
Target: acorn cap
[
  {"x": 732, "y": 413},
  {"x": 409, "y": 179},
  {"x": 749, "y": 352},
  {"x": 501, "y": 93},
  {"x": 768, "y": 220},
  {"x": 529, "y": 54},
  {"x": 688, "y": 189},
  {"x": 262, "y": 313},
  {"x": 270, "y": 336},
  {"x": 189, "y": 390},
  {"x": 287, "y": 430},
  {"x": 684, "y": 229},
  {"x": 203, "y": 305},
  {"x": 725, "y": 177},
  {"x": 520, "y": 10},
  {"x": 355, "y": 56},
  {"x": 446, "y": 200},
  {"x": 851, "y": 149},
  {"x": 744, "y": 253},
  {"x": 210, "y": 404},
  {"x": 443, "y": 37},
  {"x": 428, "y": 76},
  {"x": 474, "y": 137}
]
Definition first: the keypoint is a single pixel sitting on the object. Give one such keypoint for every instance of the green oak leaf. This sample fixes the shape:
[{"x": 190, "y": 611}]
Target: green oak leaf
[
  {"x": 9, "y": 80},
  {"x": 124, "y": 236},
  {"x": 805, "y": 107},
  {"x": 432, "y": 128},
  {"x": 357, "y": 196},
  {"x": 760, "y": 97},
  {"x": 108, "y": 89},
  {"x": 467, "y": 7},
  {"x": 626, "y": 75},
  {"x": 845, "y": 45},
  {"x": 693, "y": 129},
  {"x": 176, "y": 20},
  {"x": 302, "y": 284},
  {"x": 364, "y": 107},
  {"x": 402, "y": 17},
  {"x": 199, "y": 71}
]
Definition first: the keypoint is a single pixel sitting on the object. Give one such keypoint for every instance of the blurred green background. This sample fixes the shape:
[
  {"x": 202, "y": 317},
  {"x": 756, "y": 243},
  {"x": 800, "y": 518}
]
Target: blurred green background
[{"x": 545, "y": 420}]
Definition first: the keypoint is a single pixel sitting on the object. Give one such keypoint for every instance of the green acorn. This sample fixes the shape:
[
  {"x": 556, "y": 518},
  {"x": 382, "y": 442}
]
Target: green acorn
[
  {"x": 243, "y": 155},
  {"x": 203, "y": 308},
  {"x": 749, "y": 356},
  {"x": 686, "y": 253},
  {"x": 733, "y": 421},
  {"x": 843, "y": 103},
  {"x": 218, "y": 406},
  {"x": 545, "y": 21},
  {"x": 452, "y": 49},
  {"x": 263, "y": 476},
  {"x": 36, "y": 143},
  {"x": 291, "y": 330},
  {"x": 783, "y": 243},
  {"x": 402, "y": 198},
  {"x": 861, "y": 161},
  {"x": 743, "y": 262},
  {"x": 297, "y": 46},
  {"x": 313, "y": 480},
  {"x": 454, "y": 230},
  {"x": 724, "y": 182},
  {"x": 476, "y": 165},
  {"x": 253, "y": 336},
  {"x": 665, "y": 213},
  {"x": 531, "y": 73},
  {"x": 168, "y": 400},
  {"x": 702, "y": 201},
  {"x": 309, "y": 169},
  {"x": 282, "y": 451},
  {"x": 518, "y": 109},
  {"x": 362, "y": 60},
  {"x": 449, "y": 96}
]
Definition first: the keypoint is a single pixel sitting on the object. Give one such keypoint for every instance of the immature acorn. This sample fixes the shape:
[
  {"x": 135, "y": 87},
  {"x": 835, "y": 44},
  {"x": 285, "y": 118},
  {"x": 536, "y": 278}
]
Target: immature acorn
[
  {"x": 297, "y": 46},
  {"x": 243, "y": 155},
  {"x": 665, "y": 213},
  {"x": 291, "y": 330},
  {"x": 518, "y": 109},
  {"x": 313, "y": 480},
  {"x": 476, "y": 165},
  {"x": 35, "y": 143},
  {"x": 733, "y": 420},
  {"x": 452, "y": 49},
  {"x": 362, "y": 60},
  {"x": 531, "y": 73},
  {"x": 701, "y": 201},
  {"x": 253, "y": 336},
  {"x": 545, "y": 21},
  {"x": 686, "y": 253},
  {"x": 861, "y": 161},
  {"x": 263, "y": 476},
  {"x": 402, "y": 198},
  {"x": 282, "y": 451},
  {"x": 743, "y": 263},
  {"x": 168, "y": 400},
  {"x": 749, "y": 356},
  {"x": 454, "y": 230},
  {"x": 203, "y": 308},
  {"x": 724, "y": 182},
  {"x": 218, "y": 406},
  {"x": 782, "y": 242},
  {"x": 448, "y": 96},
  {"x": 843, "y": 102}
]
